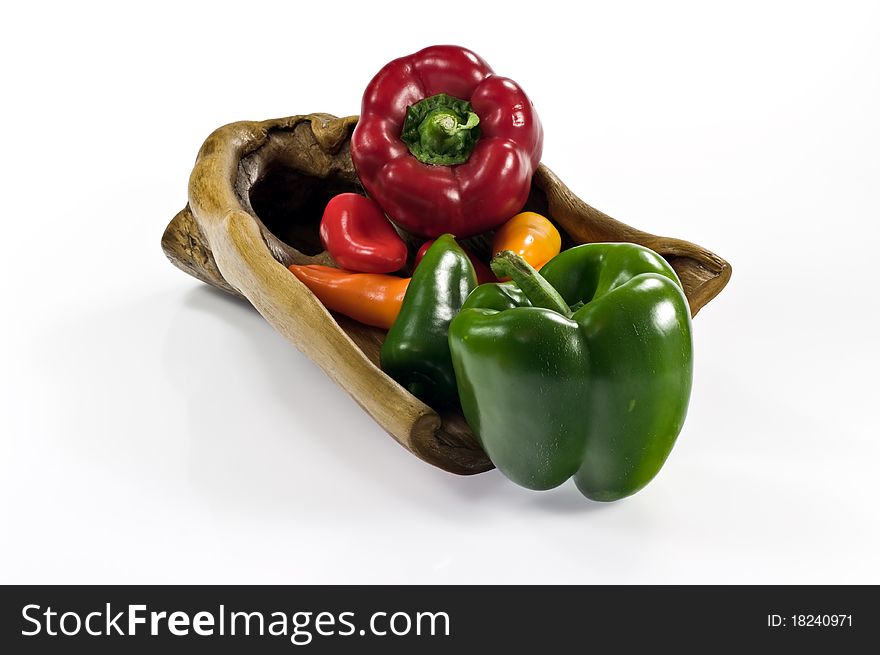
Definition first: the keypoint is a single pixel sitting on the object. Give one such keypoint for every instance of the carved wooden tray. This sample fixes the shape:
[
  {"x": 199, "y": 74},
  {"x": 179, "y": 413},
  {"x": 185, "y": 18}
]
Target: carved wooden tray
[{"x": 256, "y": 196}]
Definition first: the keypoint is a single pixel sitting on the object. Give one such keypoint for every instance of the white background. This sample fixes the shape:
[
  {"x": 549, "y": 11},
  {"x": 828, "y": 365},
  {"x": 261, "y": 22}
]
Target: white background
[{"x": 154, "y": 430}]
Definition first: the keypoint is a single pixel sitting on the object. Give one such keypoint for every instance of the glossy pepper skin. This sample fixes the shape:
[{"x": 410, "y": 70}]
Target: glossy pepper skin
[
  {"x": 529, "y": 235},
  {"x": 496, "y": 130},
  {"x": 371, "y": 298},
  {"x": 416, "y": 350},
  {"x": 599, "y": 393},
  {"x": 359, "y": 237},
  {"x": 484, "y": 274}
]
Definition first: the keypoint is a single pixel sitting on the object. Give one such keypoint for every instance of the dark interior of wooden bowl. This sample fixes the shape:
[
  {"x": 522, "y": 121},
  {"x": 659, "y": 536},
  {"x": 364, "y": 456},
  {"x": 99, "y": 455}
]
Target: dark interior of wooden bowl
[{"x": 290, "y": 205}]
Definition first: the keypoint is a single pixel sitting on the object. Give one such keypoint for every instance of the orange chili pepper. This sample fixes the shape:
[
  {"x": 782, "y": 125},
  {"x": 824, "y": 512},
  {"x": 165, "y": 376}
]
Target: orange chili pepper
[
  {"x": 370, "y": 298},
  {"x": 529, "y": 235}
]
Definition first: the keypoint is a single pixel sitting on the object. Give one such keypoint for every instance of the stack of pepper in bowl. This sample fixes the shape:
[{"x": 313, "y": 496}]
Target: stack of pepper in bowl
[{"x": 565, "y": 364}]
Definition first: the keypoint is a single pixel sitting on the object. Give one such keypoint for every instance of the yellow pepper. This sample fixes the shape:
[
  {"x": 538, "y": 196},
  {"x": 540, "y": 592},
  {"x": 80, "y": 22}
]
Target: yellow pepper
[{"x": 529, "y": 235}]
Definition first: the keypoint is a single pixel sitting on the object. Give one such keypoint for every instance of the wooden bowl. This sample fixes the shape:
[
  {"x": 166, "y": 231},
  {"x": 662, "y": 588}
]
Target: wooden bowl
[{"x": 256, "y": 196}]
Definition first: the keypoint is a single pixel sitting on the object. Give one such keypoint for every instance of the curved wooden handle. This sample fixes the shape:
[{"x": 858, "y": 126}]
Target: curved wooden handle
[{"x": 244, "y": 261}]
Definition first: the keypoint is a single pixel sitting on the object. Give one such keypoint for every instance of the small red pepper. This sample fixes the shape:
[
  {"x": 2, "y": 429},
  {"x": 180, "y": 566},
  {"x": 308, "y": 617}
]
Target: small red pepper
[
  {"x": 445, "y": 145},
  {"x": 359, "y": 237}
]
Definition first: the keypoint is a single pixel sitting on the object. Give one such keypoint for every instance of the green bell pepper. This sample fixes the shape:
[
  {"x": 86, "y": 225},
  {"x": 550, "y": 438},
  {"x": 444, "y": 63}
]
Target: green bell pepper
[
  {"x": 583, "y": 370},
  {"x": 416, "y": 349}
]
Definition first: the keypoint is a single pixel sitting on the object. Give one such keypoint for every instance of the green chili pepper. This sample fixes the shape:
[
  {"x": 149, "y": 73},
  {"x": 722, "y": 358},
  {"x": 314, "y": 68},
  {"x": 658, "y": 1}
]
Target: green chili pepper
[
  {"x": 583, "y": 370},
  {"x": 416, "y": 349}
]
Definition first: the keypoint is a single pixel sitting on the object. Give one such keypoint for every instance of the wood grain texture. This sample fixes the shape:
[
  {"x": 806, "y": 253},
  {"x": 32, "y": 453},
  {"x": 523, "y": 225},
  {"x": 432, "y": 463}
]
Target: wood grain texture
[
  {"x": 256, "y": 195},
  {"x": 703, "y": 274}
]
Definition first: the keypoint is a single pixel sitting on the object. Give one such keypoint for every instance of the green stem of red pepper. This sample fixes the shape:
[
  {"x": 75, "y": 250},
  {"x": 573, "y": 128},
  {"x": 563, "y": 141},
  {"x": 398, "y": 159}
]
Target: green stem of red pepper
[
  {"x": 539, "y": 292},
  {"x": 441, "y": 130}
]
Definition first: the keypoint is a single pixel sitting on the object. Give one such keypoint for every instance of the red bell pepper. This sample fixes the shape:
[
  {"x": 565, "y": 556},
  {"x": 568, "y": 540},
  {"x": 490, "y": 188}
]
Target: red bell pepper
[
  {"x": 445, "y": 145},
  {"x": 358, "y": 236}
]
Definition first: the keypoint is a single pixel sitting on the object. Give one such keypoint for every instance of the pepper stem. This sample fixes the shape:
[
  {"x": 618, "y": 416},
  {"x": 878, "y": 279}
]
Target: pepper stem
[
  {"x": 441, "y": 130},
  {"x": 538, "y": 290}
]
